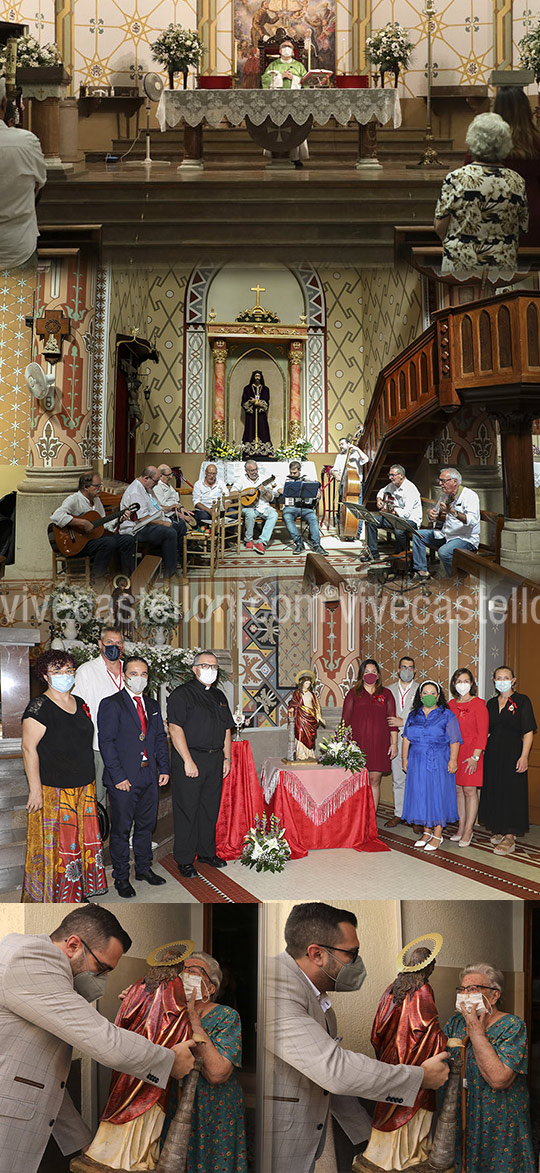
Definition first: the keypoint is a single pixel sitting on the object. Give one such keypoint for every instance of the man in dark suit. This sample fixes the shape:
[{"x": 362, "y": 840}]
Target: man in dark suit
[{"x": 135, "y": 753}]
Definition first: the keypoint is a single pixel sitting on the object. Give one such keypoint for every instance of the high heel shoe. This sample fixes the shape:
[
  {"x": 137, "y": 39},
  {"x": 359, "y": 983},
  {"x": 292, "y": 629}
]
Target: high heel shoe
[
  {"x": 455, "y": 838},
  {"x": 465, "y": 842},
  {"x": 434, "y": 843}
]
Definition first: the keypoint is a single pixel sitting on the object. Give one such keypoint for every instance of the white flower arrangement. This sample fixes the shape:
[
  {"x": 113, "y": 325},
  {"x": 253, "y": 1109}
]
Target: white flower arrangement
[
  {"x": 158, "y": 609},
  {"x": 70, "y": 602},
  {"x": 390, "y": 47},
  {"x": 166, "y": 665},
  {"x": 177, "y": 48},
  {"x": 296, "y": 450},
  {"x": 30, "y": 52},
  {"x": 341, "y": 750},
  {"x": 265, "y": 850},
  {"x": 529, "y": 49}
]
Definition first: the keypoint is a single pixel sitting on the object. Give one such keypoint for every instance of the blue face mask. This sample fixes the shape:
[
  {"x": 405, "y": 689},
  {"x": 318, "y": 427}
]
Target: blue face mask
[
  {"x": 62, "y": 682},
  {"x": 112, "y": 652}
]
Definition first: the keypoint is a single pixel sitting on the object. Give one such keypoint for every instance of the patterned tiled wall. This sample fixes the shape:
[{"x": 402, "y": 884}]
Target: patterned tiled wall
[{"x": 17, "y": 292}]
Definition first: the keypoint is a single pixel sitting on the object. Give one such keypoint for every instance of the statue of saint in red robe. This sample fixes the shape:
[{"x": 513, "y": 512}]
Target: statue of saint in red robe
[
  {"x": 405, "y": 1030},
  {"x": 305, "y": 710}
]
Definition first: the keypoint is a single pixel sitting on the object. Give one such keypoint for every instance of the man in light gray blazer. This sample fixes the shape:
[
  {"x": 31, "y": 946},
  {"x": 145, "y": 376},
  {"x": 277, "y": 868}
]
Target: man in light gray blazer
[
  {"x": 403, "y": 690},
  {"x": 42, "y": 1017},
  {"x": 312, "y": 1074}
]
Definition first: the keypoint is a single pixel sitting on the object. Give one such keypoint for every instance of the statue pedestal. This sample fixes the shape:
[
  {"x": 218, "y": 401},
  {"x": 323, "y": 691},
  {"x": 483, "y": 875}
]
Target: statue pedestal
[
  {"x": 87, "y": 1165},
  {"x": 361, "y": 1165},
  {"x": 520, "y": 547}
]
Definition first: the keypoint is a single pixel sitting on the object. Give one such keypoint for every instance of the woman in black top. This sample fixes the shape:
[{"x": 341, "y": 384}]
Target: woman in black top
[
  {"x": 504, "y": 802},
  {"x": 64, "y": 856}
]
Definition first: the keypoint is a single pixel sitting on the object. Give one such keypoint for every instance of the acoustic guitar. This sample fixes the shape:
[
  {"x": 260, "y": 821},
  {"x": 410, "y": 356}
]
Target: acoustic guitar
[
  {"x": 250, "y": 497},
  {"x": 68, "y": 541}
]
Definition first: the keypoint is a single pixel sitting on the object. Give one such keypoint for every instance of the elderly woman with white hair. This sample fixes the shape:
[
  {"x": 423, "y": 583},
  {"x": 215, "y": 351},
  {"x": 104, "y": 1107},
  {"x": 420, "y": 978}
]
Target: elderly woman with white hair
[
  {"x": 498, "y": 1136},
  {"x": 482, "y": 207},
  {"x": 217, "y": 1142}
]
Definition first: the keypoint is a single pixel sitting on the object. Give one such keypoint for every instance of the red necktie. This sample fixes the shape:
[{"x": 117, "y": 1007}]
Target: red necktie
[{"x": 142, "y": 714}]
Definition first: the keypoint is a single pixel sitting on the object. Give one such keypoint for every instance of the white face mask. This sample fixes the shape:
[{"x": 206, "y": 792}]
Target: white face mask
[
  {"x": 469, "y": 1001},
  {"x": 193, "y": 982},
  {"x": 207, "y": 675},
  {"x": 463, "y": 689},
  {"x": 287, "y": 52},
  {"x": 503, "y": 685},
  {"x": 136, "y": 684}
]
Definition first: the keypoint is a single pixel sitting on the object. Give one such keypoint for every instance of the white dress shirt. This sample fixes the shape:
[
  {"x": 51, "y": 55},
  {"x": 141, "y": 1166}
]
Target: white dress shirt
[
  {"x": 356, "y": 459},
  {"x": 75, "y": 506},
  {"x": 23, "y": 169},
  {"x": 407, "y": 500},
  {"x": 204, "y": 494},
  {"x": 93, "y": 682},
  {"x": 150, "y": 510},
  {"x": 467, "y": 501},
  {"x": 166, "y": 494}
]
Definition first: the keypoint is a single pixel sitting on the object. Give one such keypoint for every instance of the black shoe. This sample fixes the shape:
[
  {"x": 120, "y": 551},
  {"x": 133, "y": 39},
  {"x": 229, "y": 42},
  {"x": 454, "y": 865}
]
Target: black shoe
[
  {"x": 124, "y": 889},
  {"x": 213, "y": 861},
  {"x": 366, "y": 556},
  {"x": 188, "y": 871},
  {"x": 298, "y": 164},
  {"x": 298, "y": 549},
  {"x": 320, "y": 550},
  {"x": 150, "y": 877}
]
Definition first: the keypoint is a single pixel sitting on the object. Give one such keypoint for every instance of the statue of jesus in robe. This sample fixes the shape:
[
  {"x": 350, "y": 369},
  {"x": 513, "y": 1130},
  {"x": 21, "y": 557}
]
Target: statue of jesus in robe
[{"x": 256, "y": 404}]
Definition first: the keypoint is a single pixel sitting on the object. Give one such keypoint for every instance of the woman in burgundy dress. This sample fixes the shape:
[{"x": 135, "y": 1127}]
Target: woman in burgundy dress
[
  {"x": 473, "y": 718},
  {"x": 366, "y": 709}
]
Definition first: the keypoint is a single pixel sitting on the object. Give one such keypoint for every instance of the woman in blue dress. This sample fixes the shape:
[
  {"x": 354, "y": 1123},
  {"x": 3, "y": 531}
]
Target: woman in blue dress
[
  {"x": 498, "y": 1135},
  {"x": 431, "y": 741}
]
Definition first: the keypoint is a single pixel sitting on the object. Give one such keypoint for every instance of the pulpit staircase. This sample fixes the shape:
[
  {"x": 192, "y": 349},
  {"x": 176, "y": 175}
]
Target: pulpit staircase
[{"x": 484, "y": 351}]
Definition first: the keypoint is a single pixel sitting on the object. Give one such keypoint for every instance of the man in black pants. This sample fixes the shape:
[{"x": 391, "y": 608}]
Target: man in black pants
[{"x": 200, "y": 724}]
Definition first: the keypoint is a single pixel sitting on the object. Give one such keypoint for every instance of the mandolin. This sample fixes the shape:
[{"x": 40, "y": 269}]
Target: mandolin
[
  {"x": 68, "y": 541},
  {"x": 250, "y": 497}
]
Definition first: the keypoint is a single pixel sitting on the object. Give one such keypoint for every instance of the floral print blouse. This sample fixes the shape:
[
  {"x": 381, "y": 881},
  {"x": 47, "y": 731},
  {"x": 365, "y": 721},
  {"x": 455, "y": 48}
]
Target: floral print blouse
[{"x": 487, "y": 206}]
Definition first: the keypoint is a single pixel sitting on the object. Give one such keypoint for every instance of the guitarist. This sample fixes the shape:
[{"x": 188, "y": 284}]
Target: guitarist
[
  {"x": 261, "y": 507},
  {"x": 399, "y": 496},
  {"x": 103, "y": 549}
]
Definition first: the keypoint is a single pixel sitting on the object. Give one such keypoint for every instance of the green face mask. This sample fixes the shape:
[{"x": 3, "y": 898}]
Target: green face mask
[{"x": 429, "y": 700}]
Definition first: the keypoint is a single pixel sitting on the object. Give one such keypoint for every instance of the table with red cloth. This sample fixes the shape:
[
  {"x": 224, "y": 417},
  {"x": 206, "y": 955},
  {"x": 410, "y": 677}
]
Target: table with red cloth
[
  {"x": 321, "y": 806},
  {"x": 241, "y": 800}
]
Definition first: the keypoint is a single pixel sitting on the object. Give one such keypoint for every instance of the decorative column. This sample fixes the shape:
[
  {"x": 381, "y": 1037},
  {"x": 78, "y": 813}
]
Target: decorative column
[
  {"x": 296, "y": 357},
  {"x": 59, "y": 439},
  {"x": 219, "y": 355},
  {"x": 520, "y": 538}
]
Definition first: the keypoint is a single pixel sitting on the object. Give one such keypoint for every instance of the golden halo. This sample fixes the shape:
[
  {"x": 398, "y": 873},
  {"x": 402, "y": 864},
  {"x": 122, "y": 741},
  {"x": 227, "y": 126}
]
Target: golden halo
[
  {"x": 400, "y": 960},
  {"x": 305, "y": 672},
  {"x": 118, "y": 577},
  {"x": 185, "y": 949}
]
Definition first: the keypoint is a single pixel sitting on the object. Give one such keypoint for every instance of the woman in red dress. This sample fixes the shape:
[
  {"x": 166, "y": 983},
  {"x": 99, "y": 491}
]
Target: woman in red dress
[
  {"x": 473, "y": 718},
  {"x": 366, "y": 709}
]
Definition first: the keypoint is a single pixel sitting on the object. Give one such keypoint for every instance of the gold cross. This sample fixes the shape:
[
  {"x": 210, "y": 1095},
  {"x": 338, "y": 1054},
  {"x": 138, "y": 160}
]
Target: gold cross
[{"x": 258, "y": 289}]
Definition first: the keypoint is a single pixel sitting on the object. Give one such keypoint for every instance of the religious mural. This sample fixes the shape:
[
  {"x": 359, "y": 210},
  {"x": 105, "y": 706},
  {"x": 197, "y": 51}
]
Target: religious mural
[{"x": 315, "y": 19}]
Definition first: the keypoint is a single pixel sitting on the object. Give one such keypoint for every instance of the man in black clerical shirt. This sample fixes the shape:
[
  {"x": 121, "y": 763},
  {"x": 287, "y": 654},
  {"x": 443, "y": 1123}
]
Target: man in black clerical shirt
[{"x": 200, "y": 724}]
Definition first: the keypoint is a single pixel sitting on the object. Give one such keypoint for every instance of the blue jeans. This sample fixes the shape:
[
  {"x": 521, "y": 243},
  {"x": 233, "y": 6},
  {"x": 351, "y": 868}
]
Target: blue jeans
[
  {"x": 270, "y": 515},
  {"x": 384, "y": 523},
  {"x": 290, "y": 514},
  {"x": 429, "y": 537}
]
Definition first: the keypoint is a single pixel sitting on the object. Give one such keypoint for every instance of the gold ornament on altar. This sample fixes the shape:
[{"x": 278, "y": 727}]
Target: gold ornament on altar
[{"x": 258, "y": 313}]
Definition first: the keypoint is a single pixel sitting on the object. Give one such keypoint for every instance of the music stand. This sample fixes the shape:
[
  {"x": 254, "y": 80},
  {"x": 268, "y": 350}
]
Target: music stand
[
  {"x": 300, "y": 491},
  {"x": 400, "y": 524}
]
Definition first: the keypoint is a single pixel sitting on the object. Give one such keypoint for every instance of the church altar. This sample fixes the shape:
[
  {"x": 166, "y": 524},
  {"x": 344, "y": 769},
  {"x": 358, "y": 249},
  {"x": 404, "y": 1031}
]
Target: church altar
[
  {"x": 193, "y": 108},
  {"x": 241, "y": 800},
  {"x": 231, "y": 470},
  {"x": 321, "y": 807}
]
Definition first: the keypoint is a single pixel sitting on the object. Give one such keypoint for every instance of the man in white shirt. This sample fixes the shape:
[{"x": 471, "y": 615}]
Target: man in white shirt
[
  {"x": 151, "y": 526},
  {"x": 103, "y": 549},
  {"x": 399, "y": 497},
  {"x": 208, "y": 489},
  {"x": 403, "y": 691},
  {"x": 97, "y": 679},
  {"x": 22, "y": 174},
  {"x": 455, "y": 524},
  {"x": 253, "y": 479},
  {"x": 348, "y": 455}
]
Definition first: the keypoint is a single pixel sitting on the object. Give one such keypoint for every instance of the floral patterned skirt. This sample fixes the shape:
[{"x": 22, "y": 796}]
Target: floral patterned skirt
[{"x": 64, "y": 853}]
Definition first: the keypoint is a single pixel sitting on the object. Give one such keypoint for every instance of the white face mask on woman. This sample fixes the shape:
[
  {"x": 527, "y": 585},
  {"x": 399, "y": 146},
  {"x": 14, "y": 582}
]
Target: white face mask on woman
[
  {"x": 192, "y": 982},
  {"x": 469, "y": 1001},
  {"x": 462, "y": 689},
  {"x": 503, "y": 685}
]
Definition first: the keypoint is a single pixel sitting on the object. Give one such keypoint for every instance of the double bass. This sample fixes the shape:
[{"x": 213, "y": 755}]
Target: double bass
[{"x": 351, "y": 484}]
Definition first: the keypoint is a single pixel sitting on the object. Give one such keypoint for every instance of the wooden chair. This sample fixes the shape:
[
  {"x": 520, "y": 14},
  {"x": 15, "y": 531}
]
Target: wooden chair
[
  {"x": 231, "y": 522},
  {"x": 73, "y": 569},
  {"x": 206, "y": 540},
  {"x": 269, "y": 49}
]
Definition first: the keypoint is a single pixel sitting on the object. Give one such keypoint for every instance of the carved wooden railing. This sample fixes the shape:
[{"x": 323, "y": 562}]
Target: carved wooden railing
[{"x": 493, "y": 343}]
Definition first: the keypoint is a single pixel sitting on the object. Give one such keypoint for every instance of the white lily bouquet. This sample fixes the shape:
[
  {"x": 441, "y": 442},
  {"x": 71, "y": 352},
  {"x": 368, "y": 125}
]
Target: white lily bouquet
[
  {"x": 529, "y": 50},
  {"x": 390, "y": 47},
  {"x": 71, "y": 602},
  {"x": 30, "y": 52},
  {"x": 265, "y": 846},
  {"x": 341, "y": 750},
  {"x": 157, "y": 609}
]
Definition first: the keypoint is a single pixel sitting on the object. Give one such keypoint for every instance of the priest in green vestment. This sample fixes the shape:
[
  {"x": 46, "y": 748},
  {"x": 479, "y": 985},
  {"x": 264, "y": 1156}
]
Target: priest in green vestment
[{"x": 285, "y": 72}]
